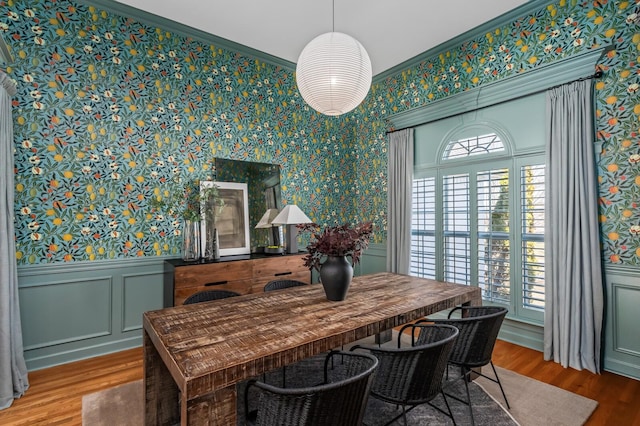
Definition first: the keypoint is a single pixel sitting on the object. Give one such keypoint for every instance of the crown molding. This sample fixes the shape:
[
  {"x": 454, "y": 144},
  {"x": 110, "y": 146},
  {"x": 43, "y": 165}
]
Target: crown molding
[
  {"x": 185, "y": 30},
  {"x": 516, "y": 86},
  {"x": 501, "y": 20},
  {"x": 176, "y": 27}
]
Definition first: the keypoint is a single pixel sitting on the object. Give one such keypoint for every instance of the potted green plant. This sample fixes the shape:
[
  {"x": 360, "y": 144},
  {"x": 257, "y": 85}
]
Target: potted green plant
[
  {"x": 188, "y": 205},
  {"x": 328, "y": 250}
]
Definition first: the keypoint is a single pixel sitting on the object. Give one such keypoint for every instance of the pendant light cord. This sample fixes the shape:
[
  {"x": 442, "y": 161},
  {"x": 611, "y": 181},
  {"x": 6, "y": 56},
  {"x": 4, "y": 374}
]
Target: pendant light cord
[{"x": 333, "y": 16}]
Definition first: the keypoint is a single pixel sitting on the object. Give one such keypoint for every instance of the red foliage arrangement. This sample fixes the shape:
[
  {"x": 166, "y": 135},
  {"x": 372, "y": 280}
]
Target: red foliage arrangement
[{"x": 339, "y": 240}]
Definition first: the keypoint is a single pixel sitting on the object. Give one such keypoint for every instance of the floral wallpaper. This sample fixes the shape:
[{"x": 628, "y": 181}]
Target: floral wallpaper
[
  {"x": 558, "y": 29},
  {"x": 112, "y": 112}
]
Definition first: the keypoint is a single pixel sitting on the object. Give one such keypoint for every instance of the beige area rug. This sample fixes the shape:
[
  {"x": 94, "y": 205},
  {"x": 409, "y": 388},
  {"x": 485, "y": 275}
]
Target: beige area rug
[
  {"x": 535, "y": 403},
  {"x": 532, "y": 403},
  {"x": 120, "y": 405}
]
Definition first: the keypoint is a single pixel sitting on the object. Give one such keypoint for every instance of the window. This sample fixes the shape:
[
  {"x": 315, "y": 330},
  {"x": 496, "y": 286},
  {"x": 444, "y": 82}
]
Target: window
[
  {"x": 494, "y": 252},
  {"x": 456, "y": 228},
  {"x": 474, "y": 146},
  {"x": 532, "y": 199},
  {"x": 423, "y": 239},
  {"x": 478, "y": 219}
]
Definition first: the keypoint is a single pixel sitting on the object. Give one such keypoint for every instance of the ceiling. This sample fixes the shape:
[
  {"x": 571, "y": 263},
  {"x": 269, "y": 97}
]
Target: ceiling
[{"x": 392, "y": 31}]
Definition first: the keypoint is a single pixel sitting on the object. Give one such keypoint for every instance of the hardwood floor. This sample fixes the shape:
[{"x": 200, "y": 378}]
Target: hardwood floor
[
  {"x": 618, "y": 396},
  {"x": 55, "y": 395}
]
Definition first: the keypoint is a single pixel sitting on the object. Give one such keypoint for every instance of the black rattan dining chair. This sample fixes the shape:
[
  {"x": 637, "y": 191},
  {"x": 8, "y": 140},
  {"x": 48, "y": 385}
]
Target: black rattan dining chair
[
  {"x": 479, "y": 327},
  {"x": 413, "y": 376},
  {"x": 280, "y": 284},
  {"x": 206, "y": 295},
  {"x": 340, "y": 400}
]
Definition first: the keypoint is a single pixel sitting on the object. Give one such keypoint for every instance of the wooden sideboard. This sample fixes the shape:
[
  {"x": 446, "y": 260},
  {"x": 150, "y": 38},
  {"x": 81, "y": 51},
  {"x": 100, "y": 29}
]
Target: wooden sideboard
[{"x": 242, "y": 274}]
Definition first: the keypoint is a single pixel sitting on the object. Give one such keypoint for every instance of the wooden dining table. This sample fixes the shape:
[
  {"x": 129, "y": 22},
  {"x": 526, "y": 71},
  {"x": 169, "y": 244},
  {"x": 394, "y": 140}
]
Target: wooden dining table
[{"x": 194, "y": 355}]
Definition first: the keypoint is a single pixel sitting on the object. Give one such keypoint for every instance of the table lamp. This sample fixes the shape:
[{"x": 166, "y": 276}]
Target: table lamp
[
  {"x": 291, "y": 216},
  {"x": 266, "y": 221}
]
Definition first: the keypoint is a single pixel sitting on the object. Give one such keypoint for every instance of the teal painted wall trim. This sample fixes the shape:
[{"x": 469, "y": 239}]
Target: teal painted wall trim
[
  {"x": 85, "y": 309},
  {"x": 503, "y": 20},
  {"x": 623, "y": 270},
  {"x": 517, "y": 332},
  {"x": 541, "y": 78},
  {"x": 62, "y": 356},
  {"x": 520, "y": 333},
  {"x": 374, "y": 260},
  {"x": 178, "y": 28},
  {"x": 622, "y": 316},
  {"x": 622, "y": 347},
  {"x": 96, "y": 265}
]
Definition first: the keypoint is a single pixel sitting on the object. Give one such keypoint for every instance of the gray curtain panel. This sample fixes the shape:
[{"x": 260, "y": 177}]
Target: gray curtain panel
[
  {"x": 400, "y": 170},
  {"x": 13, "y": 370},
  {"x": 573, "y": 270}
]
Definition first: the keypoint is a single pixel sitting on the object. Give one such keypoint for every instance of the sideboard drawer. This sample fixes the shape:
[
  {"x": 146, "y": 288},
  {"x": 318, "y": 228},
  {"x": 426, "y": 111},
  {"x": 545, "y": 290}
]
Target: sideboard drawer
[
  {"x": 242, "y": 276},
  {"x": 279, "y": 268},
  {"x": 239, "y": 286},
  {"x": 212, "y": 274}
]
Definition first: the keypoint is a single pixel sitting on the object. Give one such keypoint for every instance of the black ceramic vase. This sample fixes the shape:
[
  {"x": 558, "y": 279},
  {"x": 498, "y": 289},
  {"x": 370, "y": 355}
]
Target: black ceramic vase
[{"x": 335, "y": 275}]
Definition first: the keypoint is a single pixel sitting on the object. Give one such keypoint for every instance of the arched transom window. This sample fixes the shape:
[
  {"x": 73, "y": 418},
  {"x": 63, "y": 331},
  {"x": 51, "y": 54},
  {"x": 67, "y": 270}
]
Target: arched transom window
[{"x": 476, "y": 145}]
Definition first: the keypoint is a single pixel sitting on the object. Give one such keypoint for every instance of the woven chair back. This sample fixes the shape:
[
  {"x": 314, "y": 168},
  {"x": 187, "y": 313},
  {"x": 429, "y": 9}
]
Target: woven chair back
[
  {"x": 412, "y": 376},
  {"x": 479, "y": 327},
  {"x": 280, "y": 284},
  {"x": 342, "y": 401},
  {"x": 206, "y": 295}
]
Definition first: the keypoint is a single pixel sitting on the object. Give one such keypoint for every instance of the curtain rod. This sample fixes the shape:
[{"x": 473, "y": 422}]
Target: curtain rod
[{"x": 596, "y": 75}]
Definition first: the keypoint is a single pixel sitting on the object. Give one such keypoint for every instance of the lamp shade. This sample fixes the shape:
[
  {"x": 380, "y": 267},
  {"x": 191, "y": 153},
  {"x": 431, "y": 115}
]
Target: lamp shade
[
  {"x": 266, "y": 221},
  {"x": 291, "y": 215},
  {"x": 333, "y": 73}
]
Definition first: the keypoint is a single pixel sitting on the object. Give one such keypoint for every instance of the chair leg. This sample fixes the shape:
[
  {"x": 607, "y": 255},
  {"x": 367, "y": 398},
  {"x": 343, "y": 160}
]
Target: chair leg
[
  {"x": 403, "y": 415},
  {"x": 446, "y": 403},
  {"x": 500, "y": 384},
  {"x": 466, "y": 386}
]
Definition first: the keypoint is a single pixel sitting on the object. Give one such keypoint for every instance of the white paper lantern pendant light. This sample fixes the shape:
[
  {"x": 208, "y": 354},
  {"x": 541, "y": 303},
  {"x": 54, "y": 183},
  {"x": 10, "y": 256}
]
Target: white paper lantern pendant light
[{"x": 333, "y": 73}]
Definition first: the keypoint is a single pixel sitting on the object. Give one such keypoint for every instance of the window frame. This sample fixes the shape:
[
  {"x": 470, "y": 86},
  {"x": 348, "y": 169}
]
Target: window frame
[{"x": 472, "y": 166}]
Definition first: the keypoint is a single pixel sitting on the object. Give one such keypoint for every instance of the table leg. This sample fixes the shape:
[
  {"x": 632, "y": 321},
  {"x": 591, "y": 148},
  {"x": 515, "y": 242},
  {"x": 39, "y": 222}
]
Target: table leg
[
  {"x": 161, "y": 392},
  {"x": 217, "y": 408},
  {"x": 384, "y": 337},
  {"x": 476, "y": 301}
]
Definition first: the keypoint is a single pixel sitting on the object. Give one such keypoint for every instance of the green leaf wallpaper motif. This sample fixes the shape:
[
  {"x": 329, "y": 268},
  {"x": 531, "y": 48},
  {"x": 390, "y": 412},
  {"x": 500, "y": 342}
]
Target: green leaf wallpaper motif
[
  {"x": 558, "y": 30},
  {"x": 112, "y": 112}
]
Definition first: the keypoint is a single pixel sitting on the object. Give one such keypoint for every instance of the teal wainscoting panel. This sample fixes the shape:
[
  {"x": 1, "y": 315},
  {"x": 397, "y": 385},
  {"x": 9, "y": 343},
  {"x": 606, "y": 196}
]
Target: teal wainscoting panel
[
  {"x": 622, "y": 344},
  {"x": 626, "y": 299},
  {"x": 85, "y": 309},
  {"x": 66, "y": 311},
  {"x": 517, "y": 332},
  {"x": 521, "y": 333},
  {"x": 622, "y": 316},
  {"x": 141, "y": 293},
  {"x": 373, "y": 260}
]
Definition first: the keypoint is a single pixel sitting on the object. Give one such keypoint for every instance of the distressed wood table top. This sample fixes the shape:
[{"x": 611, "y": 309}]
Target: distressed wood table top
[{"x": 213, "y": 345}]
